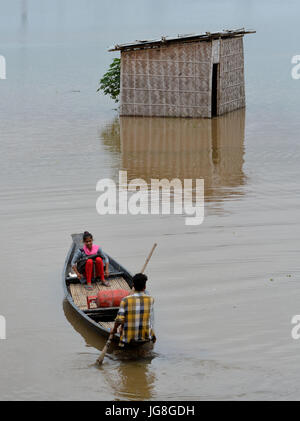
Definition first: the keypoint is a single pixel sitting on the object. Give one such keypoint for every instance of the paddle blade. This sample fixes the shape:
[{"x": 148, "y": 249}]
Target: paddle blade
[
  {"x": 102, "y": 355},
  {"x": 104, "y": 351}
]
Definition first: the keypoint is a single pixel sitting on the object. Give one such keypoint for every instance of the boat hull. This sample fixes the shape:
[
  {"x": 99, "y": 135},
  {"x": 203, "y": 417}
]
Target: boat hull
[{"x": 100, "y": 319}]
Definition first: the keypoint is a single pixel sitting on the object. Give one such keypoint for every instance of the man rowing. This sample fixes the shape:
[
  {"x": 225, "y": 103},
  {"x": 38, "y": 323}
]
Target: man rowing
[{"x": 135, "y": 316}]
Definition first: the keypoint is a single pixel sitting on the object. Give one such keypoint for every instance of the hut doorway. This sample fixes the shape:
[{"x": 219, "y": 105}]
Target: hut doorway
[{"x": 214, "y": 90}]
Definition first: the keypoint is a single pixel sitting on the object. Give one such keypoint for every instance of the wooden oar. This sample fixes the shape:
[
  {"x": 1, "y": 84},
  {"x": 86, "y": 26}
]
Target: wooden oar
[
  {"x": 110, "y": 338},
  {"x": 148, "y": 258},
  {"x": 104, "y": 351}
]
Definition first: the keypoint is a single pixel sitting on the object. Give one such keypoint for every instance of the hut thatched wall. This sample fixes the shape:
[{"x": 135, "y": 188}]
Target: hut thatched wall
[
  {"x": 167, "y": 81},
  {"x": 175, "y": 80},
  {"x": 232, "y": 85}
]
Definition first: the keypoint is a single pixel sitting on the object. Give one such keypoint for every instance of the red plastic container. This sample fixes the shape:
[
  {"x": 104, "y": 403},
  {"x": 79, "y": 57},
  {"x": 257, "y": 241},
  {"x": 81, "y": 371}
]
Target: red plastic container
[{"x": 111, "y": 297}]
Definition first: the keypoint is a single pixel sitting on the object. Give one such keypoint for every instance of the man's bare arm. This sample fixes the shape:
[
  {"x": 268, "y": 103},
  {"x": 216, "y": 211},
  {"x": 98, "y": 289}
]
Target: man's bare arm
[{"x": 115, "y": 328}]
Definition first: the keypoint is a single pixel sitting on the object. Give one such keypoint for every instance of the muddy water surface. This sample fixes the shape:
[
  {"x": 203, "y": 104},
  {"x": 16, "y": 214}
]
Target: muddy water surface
[{"x": 225, "y": 290}]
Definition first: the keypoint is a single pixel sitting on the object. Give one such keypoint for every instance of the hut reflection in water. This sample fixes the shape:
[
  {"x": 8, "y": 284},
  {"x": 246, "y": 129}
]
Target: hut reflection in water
[{"x": 212, "y": 149}]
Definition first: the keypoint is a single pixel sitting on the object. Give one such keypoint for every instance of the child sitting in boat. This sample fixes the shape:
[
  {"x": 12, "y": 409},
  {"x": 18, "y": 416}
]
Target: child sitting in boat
[{"x": 83, "y": 266}]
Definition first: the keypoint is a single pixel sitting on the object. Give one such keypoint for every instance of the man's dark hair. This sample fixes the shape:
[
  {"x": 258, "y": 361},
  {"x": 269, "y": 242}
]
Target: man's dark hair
[{"x": 139, "y": 281}]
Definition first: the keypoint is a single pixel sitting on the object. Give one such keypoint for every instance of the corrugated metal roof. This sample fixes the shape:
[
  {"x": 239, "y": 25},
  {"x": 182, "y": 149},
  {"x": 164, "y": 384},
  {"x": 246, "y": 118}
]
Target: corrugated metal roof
[{"x": 206, "y": 36}]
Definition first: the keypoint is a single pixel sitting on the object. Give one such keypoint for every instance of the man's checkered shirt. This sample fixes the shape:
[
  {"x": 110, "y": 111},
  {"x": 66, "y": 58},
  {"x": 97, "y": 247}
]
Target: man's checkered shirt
[{"x": 136, "y": 315}]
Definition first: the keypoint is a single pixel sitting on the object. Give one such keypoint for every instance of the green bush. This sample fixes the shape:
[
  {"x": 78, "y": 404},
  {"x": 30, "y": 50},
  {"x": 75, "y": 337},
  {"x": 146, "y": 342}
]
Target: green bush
[{"x": 110, "y": 82}]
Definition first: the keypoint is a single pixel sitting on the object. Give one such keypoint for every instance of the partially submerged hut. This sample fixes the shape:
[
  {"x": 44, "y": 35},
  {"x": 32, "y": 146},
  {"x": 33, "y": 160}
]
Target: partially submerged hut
[{"x": 187, "y": 76}]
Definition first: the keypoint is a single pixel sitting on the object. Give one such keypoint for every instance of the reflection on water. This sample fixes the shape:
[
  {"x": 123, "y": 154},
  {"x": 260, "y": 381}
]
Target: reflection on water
[
  {"x": 134, "y": 380},
  {"x": 89, "y": 335},
  {"x": 24, "y": 12},
  {"x": 212, "y": 149},
  {"x": 110, "y": 136},
  {"x": 129, "y": 380}
]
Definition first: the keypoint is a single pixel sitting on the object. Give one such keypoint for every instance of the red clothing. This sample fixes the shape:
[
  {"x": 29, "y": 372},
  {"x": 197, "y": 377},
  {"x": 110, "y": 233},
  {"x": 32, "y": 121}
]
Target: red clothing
[{"x": 89, "y": 266}]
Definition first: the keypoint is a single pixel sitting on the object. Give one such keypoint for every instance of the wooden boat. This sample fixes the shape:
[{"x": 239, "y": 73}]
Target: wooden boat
[{"x": 101, "y": 319}]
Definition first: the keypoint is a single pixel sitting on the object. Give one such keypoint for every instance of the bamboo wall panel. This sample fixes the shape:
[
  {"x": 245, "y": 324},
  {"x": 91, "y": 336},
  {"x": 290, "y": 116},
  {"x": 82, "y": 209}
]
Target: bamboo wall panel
[
  {"x": 232, "y": 85},
  {"x": 171, "y": 80}
]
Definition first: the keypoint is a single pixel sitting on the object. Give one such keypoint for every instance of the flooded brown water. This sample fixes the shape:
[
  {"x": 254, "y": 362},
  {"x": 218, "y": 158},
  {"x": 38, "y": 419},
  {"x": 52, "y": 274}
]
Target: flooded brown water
[{"x": 226, "y": 290}]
